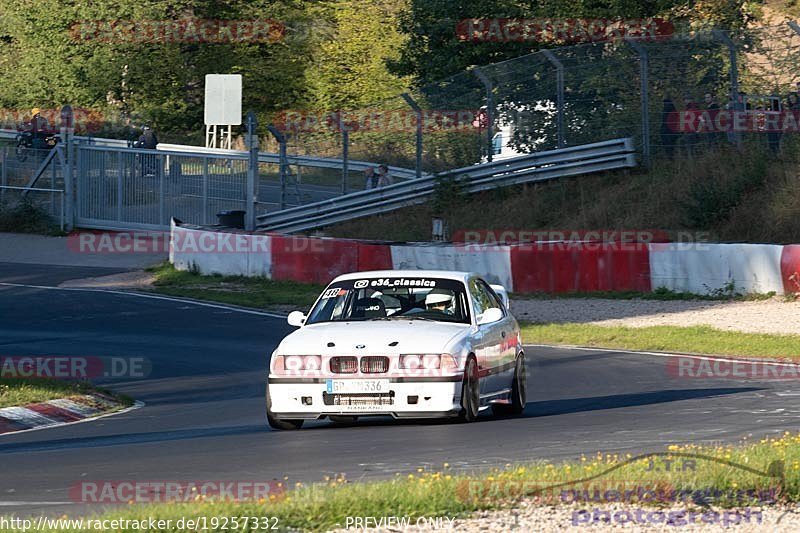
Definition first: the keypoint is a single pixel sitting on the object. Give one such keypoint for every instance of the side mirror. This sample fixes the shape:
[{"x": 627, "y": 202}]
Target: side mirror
[
  {"x": 490, "y": 315},
  {"x": 503, "y": 294},
  {"x": 296, "y": 319}
]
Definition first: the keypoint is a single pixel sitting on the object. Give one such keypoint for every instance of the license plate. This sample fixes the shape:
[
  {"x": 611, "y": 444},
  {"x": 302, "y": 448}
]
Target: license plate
[{"x": 357, "y": 385}]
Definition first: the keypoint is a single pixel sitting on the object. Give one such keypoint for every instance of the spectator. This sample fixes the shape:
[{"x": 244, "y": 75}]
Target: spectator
[
  {"x": 147, "y": 139},
  {"x": 370, "y": 179},
  {"x": 713, "y": 108},
  {"x": 39, "y": 128},
  {"x": 384, "y": 178},
  {"x": 691, "y": 138},
  {"x": 668, "y": 127}
]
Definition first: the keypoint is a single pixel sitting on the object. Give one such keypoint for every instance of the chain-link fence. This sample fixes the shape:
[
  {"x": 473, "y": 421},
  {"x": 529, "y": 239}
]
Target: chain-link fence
[{"x": 676, "y": 97}]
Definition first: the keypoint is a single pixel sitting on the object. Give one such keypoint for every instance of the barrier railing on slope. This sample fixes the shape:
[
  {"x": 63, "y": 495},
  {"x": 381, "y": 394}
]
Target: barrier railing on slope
[{"x": 541, "y": 166}]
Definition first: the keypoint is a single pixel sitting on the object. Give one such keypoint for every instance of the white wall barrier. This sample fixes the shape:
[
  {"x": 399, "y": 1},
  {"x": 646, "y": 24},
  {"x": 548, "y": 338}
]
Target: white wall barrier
[
  {"x": 492, "y": 262},
  {"x": 213, "y": 252},
  {"x": 703, "y": 268}
]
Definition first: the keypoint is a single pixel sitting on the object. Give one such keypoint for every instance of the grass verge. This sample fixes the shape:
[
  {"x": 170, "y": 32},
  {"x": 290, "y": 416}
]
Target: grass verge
[
  {"x": 725, "y": 476},
  {"x": 25, "y": 391},
  {"x": 695, "y": 339},
  {"x": 237, "y": 290}
]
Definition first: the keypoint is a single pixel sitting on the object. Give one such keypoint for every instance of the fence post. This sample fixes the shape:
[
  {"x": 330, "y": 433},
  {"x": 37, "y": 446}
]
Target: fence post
[
  {"x": 487, "y": 83},
  {"x": 68, "y": 197},
  {"x": 418, "y": 110},
  {"x": 559, "y": 95},
  {"x": 345, "y": 151},
  {"x": 795, "y": 26},
  {"x": 645, "y": 100},
  {"x": 725, "y": 39},
  {"x": 252, "y": 172},
  {"x": 282, "y": 161}
]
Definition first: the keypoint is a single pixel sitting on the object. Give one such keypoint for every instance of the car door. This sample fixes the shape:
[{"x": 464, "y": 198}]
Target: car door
[{"x": 488, "y": 337}]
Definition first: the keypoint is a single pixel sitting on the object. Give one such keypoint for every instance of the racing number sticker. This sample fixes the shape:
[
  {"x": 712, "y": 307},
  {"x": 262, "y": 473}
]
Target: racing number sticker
[{"x": 333, "y": 293}]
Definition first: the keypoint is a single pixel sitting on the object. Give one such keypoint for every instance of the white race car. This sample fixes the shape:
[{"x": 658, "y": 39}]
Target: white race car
[{"x": 410, "y": 344}]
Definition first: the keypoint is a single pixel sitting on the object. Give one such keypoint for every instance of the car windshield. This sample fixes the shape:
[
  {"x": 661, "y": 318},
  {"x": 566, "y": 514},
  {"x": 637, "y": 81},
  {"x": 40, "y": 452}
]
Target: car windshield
[{"x": 437, "y": 299}]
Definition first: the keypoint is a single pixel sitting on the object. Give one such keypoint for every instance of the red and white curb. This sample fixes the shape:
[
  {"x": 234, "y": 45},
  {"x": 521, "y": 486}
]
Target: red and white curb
[{"x": 59, "y": 412}]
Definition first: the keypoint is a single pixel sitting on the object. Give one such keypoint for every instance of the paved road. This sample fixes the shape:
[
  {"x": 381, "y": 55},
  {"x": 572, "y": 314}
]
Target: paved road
[{"x": 204, "y": 414}]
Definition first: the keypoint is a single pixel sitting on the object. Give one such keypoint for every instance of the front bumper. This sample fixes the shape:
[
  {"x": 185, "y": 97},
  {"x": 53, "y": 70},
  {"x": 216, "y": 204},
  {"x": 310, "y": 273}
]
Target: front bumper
[{"x": 439, "y": 397}]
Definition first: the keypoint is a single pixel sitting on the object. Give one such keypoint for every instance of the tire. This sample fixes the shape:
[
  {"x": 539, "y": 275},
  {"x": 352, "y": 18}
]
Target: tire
[
  {"x": 342, "y": 420},
  {"x": 519, "y": 391},
  {"x": 470, "y": 392},
  {"x": 280, "y": 423}
]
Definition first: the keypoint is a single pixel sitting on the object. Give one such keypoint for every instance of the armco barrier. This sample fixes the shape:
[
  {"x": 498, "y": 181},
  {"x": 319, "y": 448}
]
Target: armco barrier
[
  {"x": 542, "y": 267},
  {"x": 580, "y": 267},
  {"x": 704, "y": 268},
  {"x": 790, "y": 268}
]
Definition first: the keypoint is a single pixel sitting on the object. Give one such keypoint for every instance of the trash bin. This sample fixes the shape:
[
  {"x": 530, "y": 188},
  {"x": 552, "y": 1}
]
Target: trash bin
[{"x": 231, "y": 219}]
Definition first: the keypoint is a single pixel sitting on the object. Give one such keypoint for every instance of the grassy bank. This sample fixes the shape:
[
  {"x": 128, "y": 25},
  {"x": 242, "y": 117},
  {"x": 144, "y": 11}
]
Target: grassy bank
[
  {"x": 24, "y": 391},
  {"x": 695, "y": 339},
  {"x": 260, "y": 293},
  {"x": 747, "y": 196},
  {"x": 769, "y": 469}
]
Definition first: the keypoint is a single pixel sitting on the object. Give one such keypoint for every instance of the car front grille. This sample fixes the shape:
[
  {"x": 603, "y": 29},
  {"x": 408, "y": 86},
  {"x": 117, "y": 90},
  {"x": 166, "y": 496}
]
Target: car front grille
[
  {"x": 372, "y": 364},
  {"x": 358, "y": 399},
  {"x": 344, "y": 365}
]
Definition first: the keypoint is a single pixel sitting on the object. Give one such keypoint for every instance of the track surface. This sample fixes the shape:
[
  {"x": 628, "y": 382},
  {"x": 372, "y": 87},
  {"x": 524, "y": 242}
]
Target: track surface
[{"x": 204, "y": 414}]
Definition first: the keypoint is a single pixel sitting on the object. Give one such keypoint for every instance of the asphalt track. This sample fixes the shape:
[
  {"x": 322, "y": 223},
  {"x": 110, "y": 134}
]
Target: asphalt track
[{"x": 204, "y": 413}]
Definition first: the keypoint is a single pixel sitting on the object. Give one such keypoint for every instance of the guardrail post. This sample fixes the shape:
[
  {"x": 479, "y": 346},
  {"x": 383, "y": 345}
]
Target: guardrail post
[
  {"x": 283, "y": 164},
  {"x": 345, "y": 151},
  {"x": 487, "y": 83},
  {"x": 68, "y": 197},
  {"x": 252, "y": 172},
  {"x": 644, "y": 96},
  {"x": 418, "y": 110},
  {"x": 725, "y": 39},
  {"x": 561, "y": 140}
]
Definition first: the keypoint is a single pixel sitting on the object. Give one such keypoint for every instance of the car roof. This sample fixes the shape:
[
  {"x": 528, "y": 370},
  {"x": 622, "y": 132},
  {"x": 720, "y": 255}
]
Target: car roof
[{"x": 441, "y": 274}]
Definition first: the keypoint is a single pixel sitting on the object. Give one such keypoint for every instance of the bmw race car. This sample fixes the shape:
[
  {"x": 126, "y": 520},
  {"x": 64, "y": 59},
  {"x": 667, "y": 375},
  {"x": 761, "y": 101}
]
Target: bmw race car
[{"x": 409, "y": 344}]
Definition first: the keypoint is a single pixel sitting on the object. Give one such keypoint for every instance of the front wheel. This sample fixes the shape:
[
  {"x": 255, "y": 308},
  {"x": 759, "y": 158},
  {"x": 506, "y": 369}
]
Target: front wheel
[
  {"x": 280, "y": 423},
  {"x": 470, "y": 392}
]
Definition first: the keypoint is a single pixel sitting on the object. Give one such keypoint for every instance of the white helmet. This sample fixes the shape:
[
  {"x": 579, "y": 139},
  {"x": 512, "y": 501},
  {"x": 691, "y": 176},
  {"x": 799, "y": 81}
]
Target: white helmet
[{"x": 439, "y": 297}]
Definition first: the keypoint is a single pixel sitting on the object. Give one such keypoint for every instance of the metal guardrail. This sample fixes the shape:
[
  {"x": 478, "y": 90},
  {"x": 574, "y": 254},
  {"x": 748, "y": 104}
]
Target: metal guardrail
[{"x": 571, "y": 161}]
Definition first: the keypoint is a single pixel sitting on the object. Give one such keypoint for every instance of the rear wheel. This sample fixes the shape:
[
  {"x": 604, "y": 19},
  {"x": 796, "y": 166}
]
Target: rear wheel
[
  {"x": 519, "y": 391},
  {"x": 470, "y": 392},
  {"x": 280, "y": 423}
]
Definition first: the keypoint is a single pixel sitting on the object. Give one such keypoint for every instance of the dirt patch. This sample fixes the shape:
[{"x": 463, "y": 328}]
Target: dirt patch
[{"x": 775, "y": 315}]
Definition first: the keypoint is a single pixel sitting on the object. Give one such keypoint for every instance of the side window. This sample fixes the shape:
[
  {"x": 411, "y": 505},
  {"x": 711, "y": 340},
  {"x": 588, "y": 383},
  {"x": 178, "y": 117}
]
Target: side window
[
  {"x": 483, "y": 298},
  {"x": 496, "y": 301}
]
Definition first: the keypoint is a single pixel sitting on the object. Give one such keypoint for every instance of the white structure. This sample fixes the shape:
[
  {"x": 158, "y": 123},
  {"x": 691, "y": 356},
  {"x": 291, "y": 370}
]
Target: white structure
[{"x": 223, "y": 107}]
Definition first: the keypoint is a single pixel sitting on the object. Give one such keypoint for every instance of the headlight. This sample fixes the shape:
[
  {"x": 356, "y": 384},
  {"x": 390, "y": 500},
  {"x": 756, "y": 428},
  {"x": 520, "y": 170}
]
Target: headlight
[
  {"x": 443, "y": 361},
  {"x": 289, "y": 364}
]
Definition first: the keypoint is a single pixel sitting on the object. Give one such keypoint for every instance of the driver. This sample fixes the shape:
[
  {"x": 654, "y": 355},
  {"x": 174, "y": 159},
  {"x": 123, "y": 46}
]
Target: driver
[{"x": 439, "y": 300}]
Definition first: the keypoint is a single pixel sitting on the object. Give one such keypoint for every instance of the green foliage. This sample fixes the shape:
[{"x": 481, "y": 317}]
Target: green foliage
[{"x": 25, "y": 217}]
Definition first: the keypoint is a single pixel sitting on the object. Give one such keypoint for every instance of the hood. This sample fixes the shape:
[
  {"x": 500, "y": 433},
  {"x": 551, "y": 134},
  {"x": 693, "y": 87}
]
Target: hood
[{"x": 376, "y": 337}]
